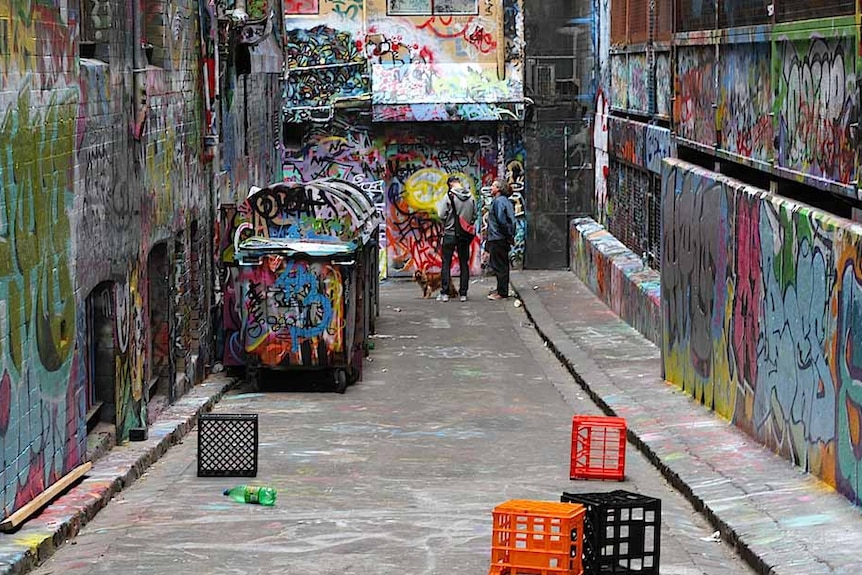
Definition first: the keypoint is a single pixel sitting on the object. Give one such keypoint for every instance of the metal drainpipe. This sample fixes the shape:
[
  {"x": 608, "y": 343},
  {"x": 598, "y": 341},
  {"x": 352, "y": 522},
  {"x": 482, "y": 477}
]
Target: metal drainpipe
[{"x": 139, "y": 81}]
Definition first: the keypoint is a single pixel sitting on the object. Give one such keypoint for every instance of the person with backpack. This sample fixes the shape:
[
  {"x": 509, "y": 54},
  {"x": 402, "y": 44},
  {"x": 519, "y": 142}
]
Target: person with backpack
[
  {"x": 457, "y": 211},
  {"x": 501, "y": 237}
]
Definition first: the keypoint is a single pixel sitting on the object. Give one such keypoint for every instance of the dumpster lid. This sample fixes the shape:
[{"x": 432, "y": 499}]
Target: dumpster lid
[{"x": 294, "y": 246}]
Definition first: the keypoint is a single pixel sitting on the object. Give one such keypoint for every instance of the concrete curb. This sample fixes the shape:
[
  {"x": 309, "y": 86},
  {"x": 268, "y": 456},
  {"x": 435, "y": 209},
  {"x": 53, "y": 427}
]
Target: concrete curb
[
  {"x": 587, "y": 374},
  {"x": 42, "y": 535}
]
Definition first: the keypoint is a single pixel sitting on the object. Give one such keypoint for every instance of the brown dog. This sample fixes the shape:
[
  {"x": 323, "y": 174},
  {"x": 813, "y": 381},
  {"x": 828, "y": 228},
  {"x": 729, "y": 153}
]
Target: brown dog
[{"x": 430, "y": 283}]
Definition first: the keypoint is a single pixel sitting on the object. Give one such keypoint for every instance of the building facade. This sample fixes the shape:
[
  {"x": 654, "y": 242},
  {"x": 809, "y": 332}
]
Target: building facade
[
  {"x": 395, "y": 95},
  {"x": 120, "y": 126}
]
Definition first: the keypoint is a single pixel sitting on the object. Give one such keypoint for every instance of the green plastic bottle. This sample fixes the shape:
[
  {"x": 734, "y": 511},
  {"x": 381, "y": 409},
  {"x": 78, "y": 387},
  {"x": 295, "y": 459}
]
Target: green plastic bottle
[{"x": 252, "y": 494}]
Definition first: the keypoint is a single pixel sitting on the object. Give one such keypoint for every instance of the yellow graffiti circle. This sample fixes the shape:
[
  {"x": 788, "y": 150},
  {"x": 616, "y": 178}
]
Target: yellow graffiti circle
[{"x": 425, "y": 187}]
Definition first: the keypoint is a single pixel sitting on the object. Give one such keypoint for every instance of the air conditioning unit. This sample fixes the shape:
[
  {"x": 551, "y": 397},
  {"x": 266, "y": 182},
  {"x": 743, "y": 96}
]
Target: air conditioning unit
[{"x": 545, "y": 81}]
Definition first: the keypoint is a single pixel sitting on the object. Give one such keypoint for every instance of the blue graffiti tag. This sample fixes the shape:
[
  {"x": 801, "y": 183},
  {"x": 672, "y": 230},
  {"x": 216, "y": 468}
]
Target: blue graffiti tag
[{"x": 301, "y": 294}]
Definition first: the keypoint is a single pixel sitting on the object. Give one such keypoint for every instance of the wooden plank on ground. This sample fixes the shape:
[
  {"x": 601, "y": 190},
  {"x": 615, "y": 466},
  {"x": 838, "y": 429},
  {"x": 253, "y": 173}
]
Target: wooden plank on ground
[{"x": 30, "y": 508}]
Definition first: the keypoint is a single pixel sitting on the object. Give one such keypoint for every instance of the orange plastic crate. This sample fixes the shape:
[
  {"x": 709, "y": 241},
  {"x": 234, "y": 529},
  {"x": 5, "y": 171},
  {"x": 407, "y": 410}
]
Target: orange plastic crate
[
  {"x": 598, "y": 447},
  {"x": 537, "y": 538}
]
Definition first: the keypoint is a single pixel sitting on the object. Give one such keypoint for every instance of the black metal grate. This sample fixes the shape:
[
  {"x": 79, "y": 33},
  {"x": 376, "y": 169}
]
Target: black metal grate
[
  {"x": 622, "y": 532},
  {"x": 627, "y": 205},
  {"x": 654, "y": 223},
  {"x": 227, "y": 445}
]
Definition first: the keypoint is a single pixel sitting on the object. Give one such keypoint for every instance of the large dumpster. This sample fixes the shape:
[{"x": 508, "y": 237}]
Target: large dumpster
[{"x": 305, "y": 287}]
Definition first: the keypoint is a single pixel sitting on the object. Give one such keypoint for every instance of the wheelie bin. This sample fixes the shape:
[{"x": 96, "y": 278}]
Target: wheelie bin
[{"x": 305, "y": 289}]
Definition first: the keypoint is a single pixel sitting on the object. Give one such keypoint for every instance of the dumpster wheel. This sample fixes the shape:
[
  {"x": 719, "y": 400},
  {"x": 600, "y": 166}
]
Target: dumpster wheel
[
  {"x": 353, "y": 374},
  {"x": 340, "y": 381}
]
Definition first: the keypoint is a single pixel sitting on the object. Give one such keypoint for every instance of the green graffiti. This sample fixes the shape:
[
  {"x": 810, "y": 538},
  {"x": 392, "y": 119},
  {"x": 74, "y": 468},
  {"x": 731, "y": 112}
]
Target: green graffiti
[
  {"x": 36, "y": 169},
  {"x": 794, "y": 230}
]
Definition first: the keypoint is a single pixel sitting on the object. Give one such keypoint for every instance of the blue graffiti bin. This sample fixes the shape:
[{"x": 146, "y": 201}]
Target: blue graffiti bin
[{"x": 304, "y": 287}]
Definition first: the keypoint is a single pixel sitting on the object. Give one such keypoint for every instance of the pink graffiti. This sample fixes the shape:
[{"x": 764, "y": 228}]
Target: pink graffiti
[
  {"x": 748, "y": 137},
  {"x": 749, "y": 288},
  {"x": 472, "y": 33},
  {"x": 301, "y": 7}
]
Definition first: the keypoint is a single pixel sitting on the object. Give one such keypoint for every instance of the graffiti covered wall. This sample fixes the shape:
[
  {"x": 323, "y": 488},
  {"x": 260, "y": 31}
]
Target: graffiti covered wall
[
  {"x": 425, "y": 69},
  {"x": 430, "y": 67},
  {"x": 100, "y": 162},
  {"x": 694, "y": 112},
  {"x": 816, "y": 103},
  {"x": 617, "y": 276},
  {"x": 42, "y": 386},
  {"x": 405, "y": 171},
  {"x": 745, "y": 100},
  {"x": 759, "y": 298},
  {"x": 417, "y": 166}
]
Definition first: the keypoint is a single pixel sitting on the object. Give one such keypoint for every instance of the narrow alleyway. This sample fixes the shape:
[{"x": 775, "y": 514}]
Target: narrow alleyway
[{"x": 462, "y": 408}]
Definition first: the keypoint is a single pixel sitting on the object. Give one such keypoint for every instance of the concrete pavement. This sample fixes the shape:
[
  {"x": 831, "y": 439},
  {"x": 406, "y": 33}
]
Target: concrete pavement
[
  {"x": 783, "y": 521},
  {"x": 462, "y": 408}
]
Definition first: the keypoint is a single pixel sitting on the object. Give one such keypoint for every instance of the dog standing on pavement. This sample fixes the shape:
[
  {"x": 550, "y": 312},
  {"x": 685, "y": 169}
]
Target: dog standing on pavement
[{"x": 430, "y": 283}]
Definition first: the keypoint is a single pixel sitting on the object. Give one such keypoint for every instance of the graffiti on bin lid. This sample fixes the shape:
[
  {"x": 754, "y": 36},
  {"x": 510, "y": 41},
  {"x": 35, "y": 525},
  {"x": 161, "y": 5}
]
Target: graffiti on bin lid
[
  {"x": 311, "y": 211},
  {"x": 289, "y": 246}
]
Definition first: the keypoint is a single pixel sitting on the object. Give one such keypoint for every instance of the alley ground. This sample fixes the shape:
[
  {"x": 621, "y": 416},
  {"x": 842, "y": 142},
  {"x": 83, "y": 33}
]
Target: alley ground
[{"x": 462, "y": 408}]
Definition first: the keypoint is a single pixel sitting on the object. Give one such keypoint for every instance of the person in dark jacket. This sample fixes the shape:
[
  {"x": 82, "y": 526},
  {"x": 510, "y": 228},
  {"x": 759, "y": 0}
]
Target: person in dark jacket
[
  {"x": 457, "y": 211},
  {"x": 501, "y": 236}
]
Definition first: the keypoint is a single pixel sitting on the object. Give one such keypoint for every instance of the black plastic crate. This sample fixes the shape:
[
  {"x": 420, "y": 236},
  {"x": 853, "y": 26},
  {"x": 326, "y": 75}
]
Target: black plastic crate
[
  {"x": 227, "y": 445},
  {"x": 622, "y": 532}
]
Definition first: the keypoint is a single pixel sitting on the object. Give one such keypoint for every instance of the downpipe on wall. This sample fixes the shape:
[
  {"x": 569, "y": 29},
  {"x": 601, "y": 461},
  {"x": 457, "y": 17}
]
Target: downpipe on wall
[{"x": 139, "y": 78}]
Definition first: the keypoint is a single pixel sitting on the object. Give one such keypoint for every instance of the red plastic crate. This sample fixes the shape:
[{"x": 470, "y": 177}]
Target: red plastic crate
[
  {"x": 537, "y": 538},
  {"x": 598, "y": 447}
]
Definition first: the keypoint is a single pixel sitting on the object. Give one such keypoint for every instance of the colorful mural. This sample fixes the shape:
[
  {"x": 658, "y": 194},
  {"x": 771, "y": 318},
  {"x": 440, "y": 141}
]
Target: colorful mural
[
  {"x": 745, "y": 101},
  {"x": 292, "y": 313},
  {"x": 422, "y": 67},
  {"x": 696, "y": 95},
  {"x": 816, "y": 104},
  {"x": 324, "y": 66},
  {"x": 447, "y": 60},
  {"x": 758, "y": 300},
  {"x": 42, "y": 431},
  {"x": 417, "y": 168},
  {"x": 96, "y": 170}
]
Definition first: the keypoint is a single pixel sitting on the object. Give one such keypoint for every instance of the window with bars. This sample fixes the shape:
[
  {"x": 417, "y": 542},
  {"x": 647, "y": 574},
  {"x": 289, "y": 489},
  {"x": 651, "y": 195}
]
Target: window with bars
[{"x": 431, "y": 7}]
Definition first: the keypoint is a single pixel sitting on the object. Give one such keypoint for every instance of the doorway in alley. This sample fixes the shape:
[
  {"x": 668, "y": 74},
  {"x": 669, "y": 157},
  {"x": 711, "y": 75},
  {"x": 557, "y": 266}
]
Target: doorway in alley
[
  {"x": 158, "y": 272},
  {"x": 101, "y": 349}
]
